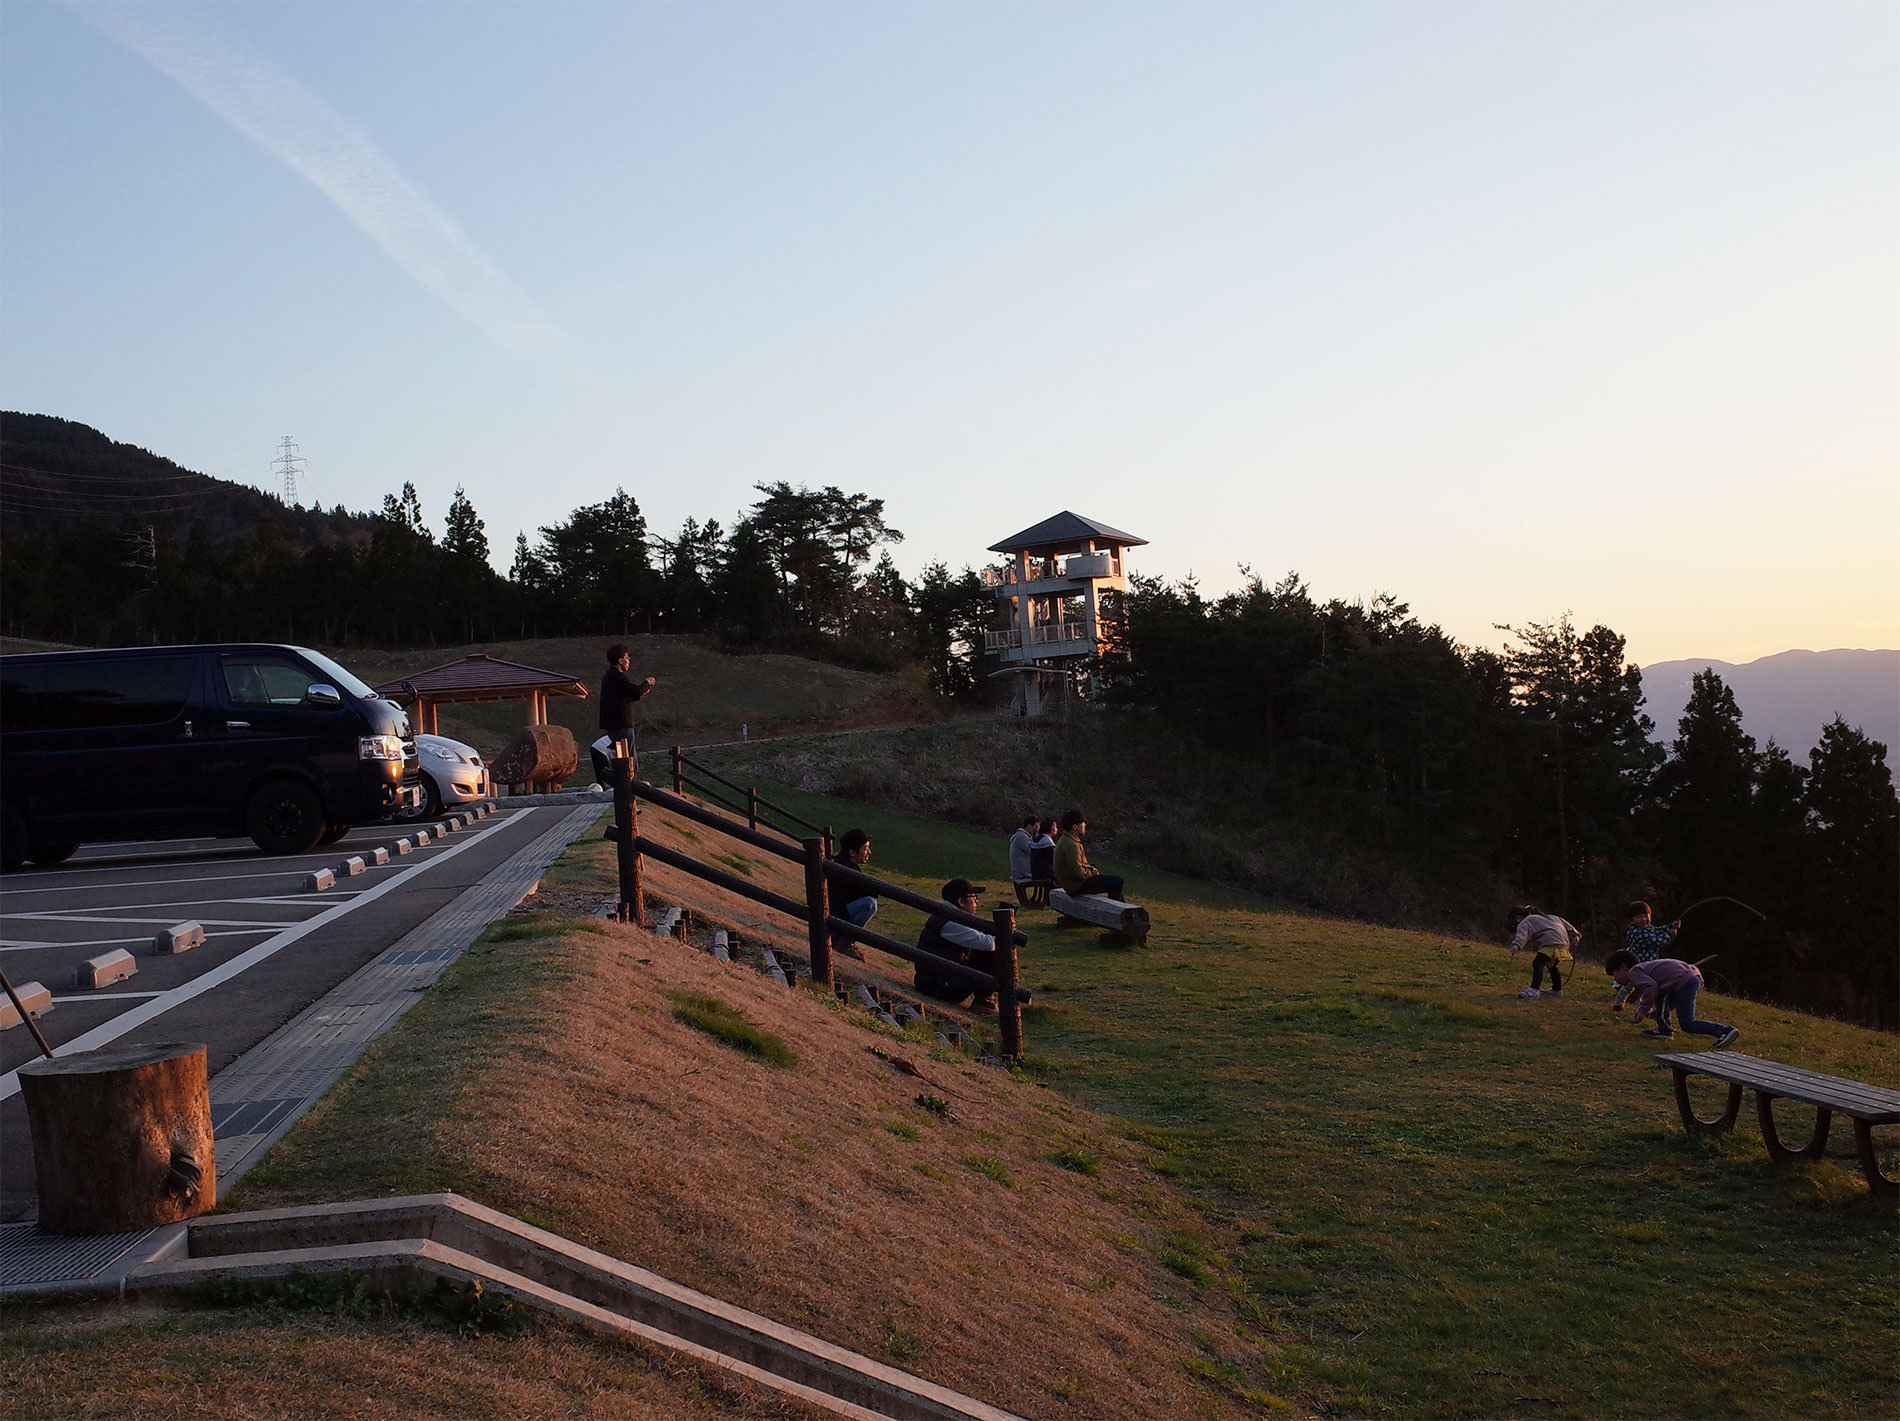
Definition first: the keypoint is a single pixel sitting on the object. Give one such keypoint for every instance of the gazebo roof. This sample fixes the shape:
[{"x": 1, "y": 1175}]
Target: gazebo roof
[
  {"x": 1066, "y": 527},
  {"x": 482, "y": 677}
]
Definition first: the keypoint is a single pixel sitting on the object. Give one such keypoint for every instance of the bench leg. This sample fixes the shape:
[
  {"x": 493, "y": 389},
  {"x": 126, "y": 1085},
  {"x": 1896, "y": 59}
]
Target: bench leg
[
  {"x": 1689, "y": 1120},
  {"x": 1780, "y": 1153},
  {"x": 1877, "y": 1183}
]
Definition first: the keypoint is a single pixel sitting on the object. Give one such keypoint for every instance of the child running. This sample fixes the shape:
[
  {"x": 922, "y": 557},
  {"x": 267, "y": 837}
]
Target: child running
[
  {"x": 1644, "y": 941},
  {"x": 1551, "y": 938},
  {"x": 1664, "y": 985}
]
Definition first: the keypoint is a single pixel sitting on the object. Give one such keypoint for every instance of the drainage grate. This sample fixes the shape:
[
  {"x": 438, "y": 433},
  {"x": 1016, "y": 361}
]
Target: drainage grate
[
  {"x": 29, "y": 1256},
  {"x": 410, "y": 959},
  {"x": 249, "y": 1117}
]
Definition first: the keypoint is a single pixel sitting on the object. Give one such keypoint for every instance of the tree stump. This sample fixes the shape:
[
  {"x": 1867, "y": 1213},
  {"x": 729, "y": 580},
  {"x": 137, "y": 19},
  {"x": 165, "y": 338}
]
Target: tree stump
[{"x": 121, "y": 1137}]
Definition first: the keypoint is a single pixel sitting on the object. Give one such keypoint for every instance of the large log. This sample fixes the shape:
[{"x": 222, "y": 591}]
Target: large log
[
  {"x": 1110, "y": 913},
  {"x": 538, "y": 755},
  {"x": 121, "y": 1137}
]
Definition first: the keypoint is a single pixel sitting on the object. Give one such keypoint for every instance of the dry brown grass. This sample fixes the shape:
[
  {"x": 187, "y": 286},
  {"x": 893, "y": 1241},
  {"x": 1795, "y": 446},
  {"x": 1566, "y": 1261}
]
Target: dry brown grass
[
  {"x": 247, "y": 1366},
  {"x": 823, "y": 1195}
]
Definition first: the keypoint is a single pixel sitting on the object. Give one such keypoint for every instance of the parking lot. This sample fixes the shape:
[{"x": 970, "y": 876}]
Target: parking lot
[{"x": 272, "y": 943}]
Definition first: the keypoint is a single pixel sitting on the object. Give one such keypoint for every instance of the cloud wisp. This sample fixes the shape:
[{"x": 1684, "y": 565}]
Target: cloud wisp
[{"x": 270, "y": 107}]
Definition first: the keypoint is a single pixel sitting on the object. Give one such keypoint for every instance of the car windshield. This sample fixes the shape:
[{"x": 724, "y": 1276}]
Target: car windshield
[{"x": 344, "y": 680}]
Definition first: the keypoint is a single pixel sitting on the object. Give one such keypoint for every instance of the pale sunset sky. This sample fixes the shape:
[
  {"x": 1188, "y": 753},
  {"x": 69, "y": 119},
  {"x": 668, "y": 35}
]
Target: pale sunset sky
[{"x": 1510, "y": 309}]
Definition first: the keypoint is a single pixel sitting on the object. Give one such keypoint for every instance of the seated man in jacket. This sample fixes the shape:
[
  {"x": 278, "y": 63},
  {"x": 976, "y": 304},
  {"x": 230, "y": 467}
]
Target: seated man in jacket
[
  {"x": 1073, "y": 871},
  {"x": 956, "y": 942}
]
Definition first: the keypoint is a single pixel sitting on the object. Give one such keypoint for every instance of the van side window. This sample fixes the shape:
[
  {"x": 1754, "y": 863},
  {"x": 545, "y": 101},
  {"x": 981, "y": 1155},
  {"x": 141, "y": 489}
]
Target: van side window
[
  {"x": 265, "y": 680},
  {"x": 87, "y": 694}
]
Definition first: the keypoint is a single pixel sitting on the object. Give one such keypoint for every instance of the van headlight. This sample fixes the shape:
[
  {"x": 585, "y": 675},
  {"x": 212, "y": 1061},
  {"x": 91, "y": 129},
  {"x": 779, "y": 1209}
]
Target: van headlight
[{"x": 380, "y": 747}]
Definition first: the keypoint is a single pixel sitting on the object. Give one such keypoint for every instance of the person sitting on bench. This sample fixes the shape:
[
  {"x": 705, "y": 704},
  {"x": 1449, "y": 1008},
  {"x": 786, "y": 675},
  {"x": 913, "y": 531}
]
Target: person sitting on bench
[
  {"x": 1022, "y": 845},
  {"x": 956, "y": 942},
  {"x": 1042, "y": 851},
  {"x": 1074, "y": 874}
]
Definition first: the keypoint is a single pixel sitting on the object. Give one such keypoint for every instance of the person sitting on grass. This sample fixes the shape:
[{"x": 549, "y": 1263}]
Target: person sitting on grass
[
  {"x": 1644, "y": 941},
  {"x": 1550, "y": 938},
  {"x": 956, "y": 942},
  {"x": 1074, "y": 874},
  {"x": 1665, "y": 984}
]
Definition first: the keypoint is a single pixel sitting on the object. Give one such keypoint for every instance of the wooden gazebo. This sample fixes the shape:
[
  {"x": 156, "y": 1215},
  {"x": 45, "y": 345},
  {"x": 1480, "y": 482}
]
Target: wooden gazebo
[{"x": 480, "y": 677}]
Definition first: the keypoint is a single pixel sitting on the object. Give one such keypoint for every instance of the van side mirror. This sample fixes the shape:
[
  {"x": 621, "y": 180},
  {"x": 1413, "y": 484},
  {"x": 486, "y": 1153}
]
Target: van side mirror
[{"x": 322, "y": 694}]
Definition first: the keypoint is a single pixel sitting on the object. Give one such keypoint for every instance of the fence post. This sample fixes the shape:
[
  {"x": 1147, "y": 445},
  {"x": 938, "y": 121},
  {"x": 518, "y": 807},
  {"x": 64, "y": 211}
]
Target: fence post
[
  {"x": 627, "y": 822},
  {"x": 831, "y": 844},
  {"x": 817, "y": 903},
  {"x": 752, "y": 810},
  {"x": 679, "y": 770},
  {"x": 1009, "y": 1012}
]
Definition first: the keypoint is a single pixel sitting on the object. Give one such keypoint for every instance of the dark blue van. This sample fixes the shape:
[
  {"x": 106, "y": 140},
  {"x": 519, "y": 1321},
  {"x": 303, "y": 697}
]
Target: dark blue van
[{"x": 275, "y": 742}]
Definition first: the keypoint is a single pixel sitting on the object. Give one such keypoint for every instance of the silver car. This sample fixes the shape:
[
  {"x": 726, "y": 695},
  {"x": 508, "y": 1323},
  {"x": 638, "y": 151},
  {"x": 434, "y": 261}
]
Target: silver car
[{"x": 452, "y": 774}]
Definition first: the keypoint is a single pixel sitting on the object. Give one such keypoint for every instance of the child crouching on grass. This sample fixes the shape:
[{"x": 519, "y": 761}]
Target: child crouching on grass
[
  {"x": 1551, "y": 938},
  {"x": 1666, "y": 984},
  {"x": 1644, "y": 941}
]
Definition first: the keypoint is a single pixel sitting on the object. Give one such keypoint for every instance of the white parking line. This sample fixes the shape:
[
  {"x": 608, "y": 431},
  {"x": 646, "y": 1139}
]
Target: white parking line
[
  {"x": 17, "y": 945},
  {"x": 106, "y": 997},
  {"x": 169, "y": 918},
  {"x": 130, "y": 1021},
  {"x": 173, "y": 881}
]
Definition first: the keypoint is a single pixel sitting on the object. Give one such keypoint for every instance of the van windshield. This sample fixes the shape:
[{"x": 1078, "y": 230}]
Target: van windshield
[{"x": 342, "y": 679}]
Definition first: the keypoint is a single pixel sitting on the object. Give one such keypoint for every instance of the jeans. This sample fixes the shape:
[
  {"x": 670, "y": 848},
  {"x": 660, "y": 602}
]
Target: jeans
[
  {"x": 859, "y": 910},
  {"x": 1109, "y": 885},
  {"x": 1681, "y": 1000}
]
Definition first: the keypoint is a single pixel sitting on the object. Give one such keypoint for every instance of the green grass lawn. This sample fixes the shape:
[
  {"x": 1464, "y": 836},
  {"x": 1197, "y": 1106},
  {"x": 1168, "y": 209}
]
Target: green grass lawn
[{"x": 1442, "y": 1200}]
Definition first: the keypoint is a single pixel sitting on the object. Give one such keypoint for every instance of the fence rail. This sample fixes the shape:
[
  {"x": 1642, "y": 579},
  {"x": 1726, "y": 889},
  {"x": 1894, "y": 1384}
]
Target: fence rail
[
  {"x": 822, "y": 928},
  {"x": 754, "y": 801}
]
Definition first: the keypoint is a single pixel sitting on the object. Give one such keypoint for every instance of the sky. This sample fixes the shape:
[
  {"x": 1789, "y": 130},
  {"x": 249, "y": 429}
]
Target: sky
[{"x": 1511, "y": 310}]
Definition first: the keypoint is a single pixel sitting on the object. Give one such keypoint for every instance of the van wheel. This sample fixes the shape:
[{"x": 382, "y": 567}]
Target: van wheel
[
  {"x": 285, "y": 817},
  {"x": 13, "y": 840},
  {"x": 46, "y": 855},
  {"x": 333, "y": 832}
]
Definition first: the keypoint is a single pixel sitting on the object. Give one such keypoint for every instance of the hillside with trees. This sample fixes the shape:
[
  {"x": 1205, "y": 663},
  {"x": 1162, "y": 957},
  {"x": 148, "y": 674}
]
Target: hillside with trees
[{"x": 1343, "y": 754}]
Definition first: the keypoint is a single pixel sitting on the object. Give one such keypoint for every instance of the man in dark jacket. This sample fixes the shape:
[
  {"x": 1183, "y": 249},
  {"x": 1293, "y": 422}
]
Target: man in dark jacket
[
  {"x": 958, "y": 942},
  {"x": 618, "y": 692}
]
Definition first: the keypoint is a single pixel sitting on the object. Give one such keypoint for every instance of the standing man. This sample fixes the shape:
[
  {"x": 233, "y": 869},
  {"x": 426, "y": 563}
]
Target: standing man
[{"x": 618, "y": 692}]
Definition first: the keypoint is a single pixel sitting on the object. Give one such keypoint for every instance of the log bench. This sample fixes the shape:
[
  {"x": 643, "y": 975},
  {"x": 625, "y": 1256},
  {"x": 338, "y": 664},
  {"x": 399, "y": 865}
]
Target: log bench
[
  {"x": 1867, "y": 1105},
  {"x": 1110, "y": 913}
]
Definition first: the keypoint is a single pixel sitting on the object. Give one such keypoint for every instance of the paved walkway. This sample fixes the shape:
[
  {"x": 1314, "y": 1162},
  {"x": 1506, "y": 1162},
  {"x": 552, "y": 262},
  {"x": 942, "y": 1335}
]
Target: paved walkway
[{"x": 264, "y": 1092}]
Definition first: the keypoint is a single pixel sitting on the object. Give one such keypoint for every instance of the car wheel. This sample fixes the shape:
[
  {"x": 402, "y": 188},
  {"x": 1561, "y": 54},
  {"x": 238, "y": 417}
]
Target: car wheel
[
  {"x": 333, "y": 832},
  {"x": 14, "y": 843},
  {"x": 46, "y": 855},
  {"x": 427, "y": 807},
  {"x": 285, "y": 817}
]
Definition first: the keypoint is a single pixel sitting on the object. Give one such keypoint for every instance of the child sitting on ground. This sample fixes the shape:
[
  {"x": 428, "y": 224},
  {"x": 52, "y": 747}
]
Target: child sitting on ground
[
  {"x": 1551, "y": 938},
  {"x": 1660, "y": 986},
  {"x": 1644, "y": 941}
]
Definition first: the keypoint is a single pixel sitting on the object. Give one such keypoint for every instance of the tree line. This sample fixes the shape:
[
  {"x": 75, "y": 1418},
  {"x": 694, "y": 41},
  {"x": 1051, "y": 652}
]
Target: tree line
[
  {"x": 1353, "y": 727},
  {"x": 806, "y": 570},
  {"x": 1532, "y": 773}
]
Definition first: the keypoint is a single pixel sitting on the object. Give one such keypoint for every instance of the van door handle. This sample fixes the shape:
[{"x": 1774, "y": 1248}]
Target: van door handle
[
  {"x": 237, "y": 725},
  {"x": 187, "y": 734}
]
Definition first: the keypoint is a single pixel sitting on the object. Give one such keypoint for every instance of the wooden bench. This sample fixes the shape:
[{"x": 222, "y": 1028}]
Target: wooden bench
[
  {"x": 1033, "y": 892},
  {"x": 1867, "y": 1105},
  {"x": 1110, "y": 913}
]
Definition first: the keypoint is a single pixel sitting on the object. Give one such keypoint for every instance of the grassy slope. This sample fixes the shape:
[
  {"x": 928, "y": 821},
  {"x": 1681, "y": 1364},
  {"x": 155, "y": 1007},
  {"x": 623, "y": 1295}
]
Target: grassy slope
[
  {"x": 1458, "y": 1202},
  {"x": 1407, "y": 1193}
]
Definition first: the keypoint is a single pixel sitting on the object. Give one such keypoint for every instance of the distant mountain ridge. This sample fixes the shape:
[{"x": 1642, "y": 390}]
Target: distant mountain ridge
[{"x": 1789, "y": 696}]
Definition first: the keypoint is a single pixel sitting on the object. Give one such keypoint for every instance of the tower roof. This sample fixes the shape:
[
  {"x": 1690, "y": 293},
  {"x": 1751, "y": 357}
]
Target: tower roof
[{"x": 1067, "y": 527}]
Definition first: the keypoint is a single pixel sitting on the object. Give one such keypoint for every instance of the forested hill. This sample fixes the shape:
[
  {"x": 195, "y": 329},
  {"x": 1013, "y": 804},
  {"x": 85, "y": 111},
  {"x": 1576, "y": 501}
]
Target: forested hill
[{"x": 57, "y": 473}]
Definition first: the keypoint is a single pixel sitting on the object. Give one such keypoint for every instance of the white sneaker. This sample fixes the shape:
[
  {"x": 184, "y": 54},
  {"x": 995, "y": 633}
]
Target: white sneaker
[{"x": 1529, "y": 992}]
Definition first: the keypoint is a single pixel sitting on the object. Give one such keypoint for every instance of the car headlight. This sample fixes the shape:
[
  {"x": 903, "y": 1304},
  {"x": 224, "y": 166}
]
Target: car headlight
[
  {"x": 380, "y": 747},
  {"x": 446, "y": 754}
]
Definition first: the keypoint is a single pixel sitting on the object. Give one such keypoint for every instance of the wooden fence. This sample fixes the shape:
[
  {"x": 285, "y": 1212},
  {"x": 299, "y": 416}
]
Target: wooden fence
[{"x": 820, "y": 872}]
